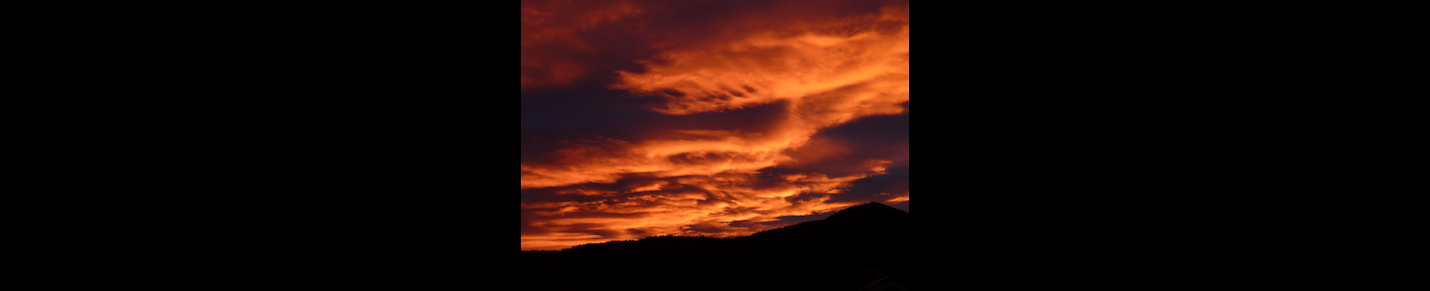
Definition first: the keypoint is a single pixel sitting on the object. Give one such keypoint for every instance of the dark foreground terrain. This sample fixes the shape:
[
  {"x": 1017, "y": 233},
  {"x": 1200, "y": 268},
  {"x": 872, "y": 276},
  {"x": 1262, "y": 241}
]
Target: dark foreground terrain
[{"x": 846, "y": 251}]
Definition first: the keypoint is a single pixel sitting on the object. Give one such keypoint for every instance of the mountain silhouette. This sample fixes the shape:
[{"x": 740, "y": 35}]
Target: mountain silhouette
[{"x": 846, "y": 251}]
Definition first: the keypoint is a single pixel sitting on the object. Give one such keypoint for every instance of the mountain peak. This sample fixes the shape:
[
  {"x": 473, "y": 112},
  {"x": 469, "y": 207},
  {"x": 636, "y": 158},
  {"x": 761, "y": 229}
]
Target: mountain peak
[{"x": 866, "y": 211}]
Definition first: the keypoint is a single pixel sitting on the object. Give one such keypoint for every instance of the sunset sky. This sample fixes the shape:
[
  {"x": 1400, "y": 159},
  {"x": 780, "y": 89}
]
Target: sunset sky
[{"x": 708, "y": 118}]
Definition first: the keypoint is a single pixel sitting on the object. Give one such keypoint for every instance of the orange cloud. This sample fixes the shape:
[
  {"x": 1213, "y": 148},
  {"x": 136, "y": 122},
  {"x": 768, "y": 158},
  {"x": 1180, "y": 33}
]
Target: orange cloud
[
  {"x": 870, "y": 68},
  {"x": 823, "y": 69},
  {"x": 551, "y": 43}
]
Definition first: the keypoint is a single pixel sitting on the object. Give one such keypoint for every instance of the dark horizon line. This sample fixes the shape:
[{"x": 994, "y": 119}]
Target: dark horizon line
[{"x": 722, "y": 238}]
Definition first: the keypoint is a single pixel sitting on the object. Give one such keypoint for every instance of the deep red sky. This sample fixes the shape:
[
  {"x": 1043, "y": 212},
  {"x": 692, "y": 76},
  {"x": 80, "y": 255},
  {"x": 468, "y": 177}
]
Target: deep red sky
[{"x": 716, "y": 118}]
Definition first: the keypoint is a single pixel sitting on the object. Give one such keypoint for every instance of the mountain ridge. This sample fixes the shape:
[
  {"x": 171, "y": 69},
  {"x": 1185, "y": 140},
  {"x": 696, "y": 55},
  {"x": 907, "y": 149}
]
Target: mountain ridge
[
  {"x": 871, "y": 211},
  {"x": 844, "y": 251}
]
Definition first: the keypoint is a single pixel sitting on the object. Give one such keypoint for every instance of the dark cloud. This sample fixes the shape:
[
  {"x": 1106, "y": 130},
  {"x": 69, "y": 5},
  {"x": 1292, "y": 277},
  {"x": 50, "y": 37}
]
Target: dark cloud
[
  {"x": 877, "y": 188},
  {"x": 704, "y": 229},
  {"x": 796, "y": 219}
]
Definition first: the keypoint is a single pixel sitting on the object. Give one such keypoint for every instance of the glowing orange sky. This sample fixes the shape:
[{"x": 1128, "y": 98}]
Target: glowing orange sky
[{"x": 800, "y": 67}]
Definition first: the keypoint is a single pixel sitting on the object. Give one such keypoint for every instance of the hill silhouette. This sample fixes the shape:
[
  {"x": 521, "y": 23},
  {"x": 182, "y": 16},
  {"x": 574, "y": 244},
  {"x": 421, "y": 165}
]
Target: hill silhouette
[{"x": 845, "y": 251}]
